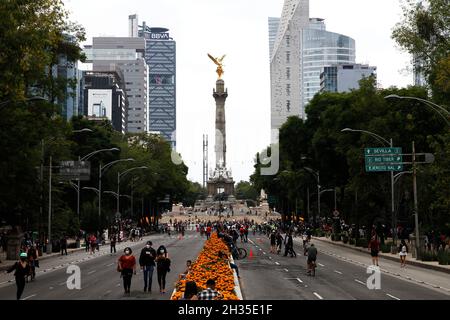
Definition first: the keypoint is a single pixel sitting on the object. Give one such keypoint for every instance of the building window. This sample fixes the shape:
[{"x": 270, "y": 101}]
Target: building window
[
  {"x": 288, "y": 105},
  {"x": 288, "y": 89},
  {"x": 288, "y": 41},
  {"x": 288, "y": 73},
  {"x": 288, "y": 57}
]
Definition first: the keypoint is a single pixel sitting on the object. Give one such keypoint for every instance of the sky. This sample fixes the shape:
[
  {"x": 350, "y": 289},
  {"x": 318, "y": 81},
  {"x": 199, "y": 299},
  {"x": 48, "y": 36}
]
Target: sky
[{"x": 239, "y": 29}]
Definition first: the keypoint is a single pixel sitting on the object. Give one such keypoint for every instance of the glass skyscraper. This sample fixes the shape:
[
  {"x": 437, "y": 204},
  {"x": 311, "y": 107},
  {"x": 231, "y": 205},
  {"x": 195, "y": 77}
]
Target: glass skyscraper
[
  {"x": 160, "y": 55},
  {"x": 322, "y": 48},
  {"x": 302, "y": 47}
]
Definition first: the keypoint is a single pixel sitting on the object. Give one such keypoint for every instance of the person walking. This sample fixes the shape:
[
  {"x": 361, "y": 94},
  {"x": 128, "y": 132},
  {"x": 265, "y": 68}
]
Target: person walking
[
  {"x": 113, "y": 243},
  {"x": 374, "y": 247},
  {"x": 273, "y": 242},
  {"x": 162, "y": 267},
  {"x": 93, "y": 243},
  {"x": 21, "y": 270},
  {"x": 311, "y": 262},
  {"x": 289, "y": 245},
  {"x": 87, "y": 244},
  {"x": 127, "y": 267},
  {"x": 190, "y": 291},
  {"x": 147, "y": 263},
  {"x": 63, "y": 245},
  {"x": 403, "y": 253},
  {"x": 279, "y": 240}
]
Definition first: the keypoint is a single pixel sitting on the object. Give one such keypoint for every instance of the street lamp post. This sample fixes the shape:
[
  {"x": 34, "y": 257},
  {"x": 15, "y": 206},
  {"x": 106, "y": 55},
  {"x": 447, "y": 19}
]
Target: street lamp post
[
  {"x": 121, "y": 175},
  {"x": 85, "y": 158},
  {"x": 444, "y": 113},
  {"x": 49, "y": 245},
  {"x": 317, "y": 175},
  {"x": 391, "y": 144},
  {"x": 103, "y": 169}
]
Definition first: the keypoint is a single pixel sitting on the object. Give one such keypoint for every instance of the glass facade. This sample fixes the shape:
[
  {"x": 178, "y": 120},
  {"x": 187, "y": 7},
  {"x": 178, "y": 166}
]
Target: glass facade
[
  {"x": 322, "y": 48},
  {"x": 160, "y": 56}
]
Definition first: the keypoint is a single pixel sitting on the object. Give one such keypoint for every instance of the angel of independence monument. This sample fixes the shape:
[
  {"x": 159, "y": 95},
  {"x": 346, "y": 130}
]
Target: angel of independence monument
[{"x": 220, "y": 184}]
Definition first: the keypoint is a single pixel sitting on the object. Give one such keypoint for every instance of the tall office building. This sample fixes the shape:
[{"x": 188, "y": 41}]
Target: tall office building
[
  {"x": 68, "y": 71},
  {"x": 273, "y": 29},
  {"x": 322, "y": 48},
  {"x": 301, "y": 49},
  {"x": 160, "y": 55},
  {"x": 103, "y": 96},
  {"x": 127, "y": 55},
  {"x": 345, "y": 77}
]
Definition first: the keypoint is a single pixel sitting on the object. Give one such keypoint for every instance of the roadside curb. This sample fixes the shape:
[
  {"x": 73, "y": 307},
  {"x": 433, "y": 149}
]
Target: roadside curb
[
  {"x": 43, "y": 257},
  {"x": 388, "y": 257},
  {"x": 237, "y": 286}
]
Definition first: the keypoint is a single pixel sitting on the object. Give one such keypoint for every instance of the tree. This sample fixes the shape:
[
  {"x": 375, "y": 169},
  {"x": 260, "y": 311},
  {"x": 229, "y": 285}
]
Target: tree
[
  {"x": 245, "y": 190},
  {"x": 424, "y": 33}
]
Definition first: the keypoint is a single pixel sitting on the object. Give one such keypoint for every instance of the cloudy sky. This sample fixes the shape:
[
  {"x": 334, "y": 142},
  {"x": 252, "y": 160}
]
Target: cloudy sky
[{"x": 239, "y": 29}]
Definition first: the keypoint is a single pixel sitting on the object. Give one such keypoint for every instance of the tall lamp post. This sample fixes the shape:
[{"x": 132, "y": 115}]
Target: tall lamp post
[
  {"x": 49, "y": 226},
  {"x": 102, "y": 170},
  {"x": 444, "y": 113},
  {"x": 85, "y": 158},
  {"x": 120, "y": 175},
  {"x": 391, "y": 144},
  {"x": 317, "y": 175}
]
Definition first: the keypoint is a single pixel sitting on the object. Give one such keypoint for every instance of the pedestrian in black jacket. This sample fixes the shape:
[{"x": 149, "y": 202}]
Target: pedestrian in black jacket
[
  {"x": 147, "y": 263},
  {"x": 289, "y": 245},
  {"x": 21, "y": 270}
]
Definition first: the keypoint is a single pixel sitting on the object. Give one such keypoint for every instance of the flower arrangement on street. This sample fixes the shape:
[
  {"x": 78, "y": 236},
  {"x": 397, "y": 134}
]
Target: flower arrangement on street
[{"x": 209, "y": 266}]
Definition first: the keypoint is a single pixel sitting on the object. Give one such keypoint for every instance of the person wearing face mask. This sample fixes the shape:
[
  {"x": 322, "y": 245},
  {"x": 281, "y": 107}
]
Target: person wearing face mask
[
  {"x": 147, "y": 263},
  {"x": 21, "y": 270},
  {"x": 162, "y": 267},
  {"x": 127, "y": 266}
]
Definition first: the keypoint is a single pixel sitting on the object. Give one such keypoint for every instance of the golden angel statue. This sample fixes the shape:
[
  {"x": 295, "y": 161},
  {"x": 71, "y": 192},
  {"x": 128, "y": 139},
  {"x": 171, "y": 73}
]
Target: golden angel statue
[{"x": 218, "y": 62}]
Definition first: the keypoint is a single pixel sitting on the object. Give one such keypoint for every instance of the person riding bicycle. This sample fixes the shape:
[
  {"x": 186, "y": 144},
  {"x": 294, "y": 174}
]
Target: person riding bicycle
[
  {"x": 32, "y": 257},
  {"x": 312, "y": 256}
]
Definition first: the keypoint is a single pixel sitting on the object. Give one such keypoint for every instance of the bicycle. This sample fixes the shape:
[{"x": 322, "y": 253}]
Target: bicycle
[{"x": 239, "y": 253}]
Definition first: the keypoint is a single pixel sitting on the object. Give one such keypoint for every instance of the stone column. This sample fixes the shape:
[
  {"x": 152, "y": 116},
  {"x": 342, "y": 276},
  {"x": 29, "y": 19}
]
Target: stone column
[{"x": 220, "y": 94}]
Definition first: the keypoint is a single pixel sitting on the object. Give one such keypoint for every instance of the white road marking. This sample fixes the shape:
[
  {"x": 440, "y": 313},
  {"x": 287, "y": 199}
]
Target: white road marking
[
  {"x": 321, "y": 265},
  {"x": 337, "y": 271},
  {"x": 277, "y": 263},
  {"x": 315, "y": 293},
  {"x": 264, "y": 252},
  {"x": 118, "y": 285},
  {"x": 63, "y": 283},
  {"x": 91, "y": 272},
  {"x": 33, "y": 295},
  {"x": 270, "y": 258},
  {"x": 360, "y": 282},
  {"x": 51, "y": 288},
  {"x": 286, "y": 270},
  {"x": 260, "y": 249},
  {"x": 299, "y": 280},
  {"x": 109, "y": 265},
  {"x": 389, "y": 295}
]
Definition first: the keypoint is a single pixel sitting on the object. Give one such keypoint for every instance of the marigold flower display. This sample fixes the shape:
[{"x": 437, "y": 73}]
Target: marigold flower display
[{"x": 209, "y": 266}]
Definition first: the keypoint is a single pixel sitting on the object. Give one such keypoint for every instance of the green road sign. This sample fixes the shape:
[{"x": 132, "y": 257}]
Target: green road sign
[
  {"x": 384, "y": 167},
  {"x": 384, "y": 159},
  {"x": 383, "y": 151}
]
